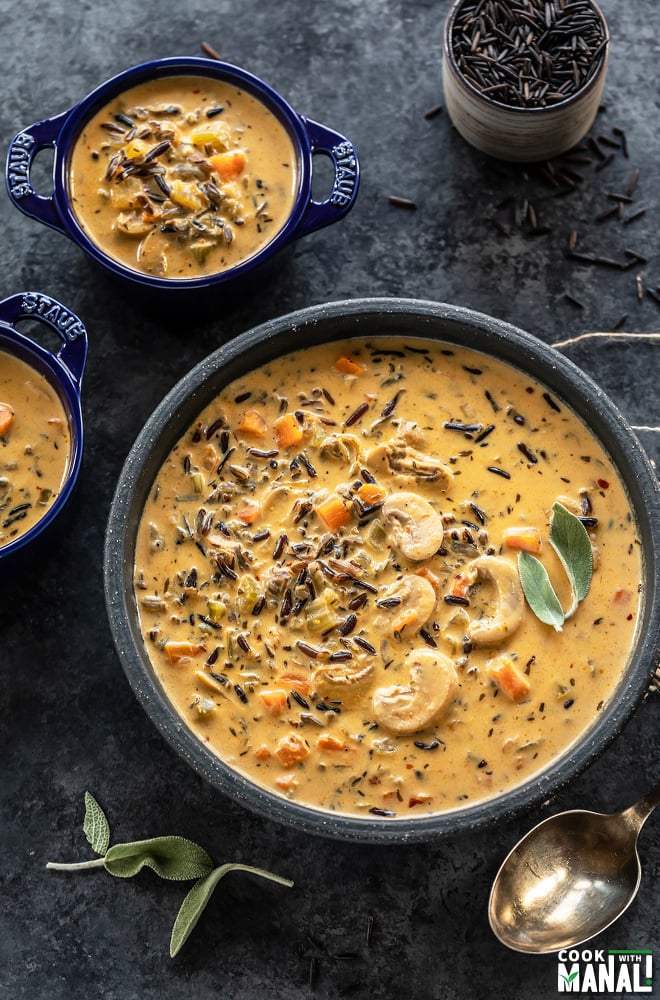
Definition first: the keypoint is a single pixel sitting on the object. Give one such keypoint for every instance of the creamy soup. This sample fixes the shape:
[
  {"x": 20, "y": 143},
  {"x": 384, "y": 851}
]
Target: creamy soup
[
  {"x": 327, "y": 576},
  {"x": 183, "y": 176},
  {"x": 34, "y": 447}
]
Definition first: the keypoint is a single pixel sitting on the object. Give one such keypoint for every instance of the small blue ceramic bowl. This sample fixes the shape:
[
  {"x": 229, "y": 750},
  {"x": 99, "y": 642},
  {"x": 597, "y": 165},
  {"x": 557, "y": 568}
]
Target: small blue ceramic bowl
[
  {"x": 64, "y": 372},
  {"x": 309, "y": 138}
]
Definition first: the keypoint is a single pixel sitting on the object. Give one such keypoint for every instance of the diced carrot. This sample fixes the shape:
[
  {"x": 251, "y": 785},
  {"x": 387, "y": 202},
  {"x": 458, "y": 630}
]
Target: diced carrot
[
  {"x": 524, "y": 538},
  {"x": 431, "y": 577},
  {"x": 262, "y": 752},
  {"x": 252, "y": 423},
  {"x": 274, "y": 701},
  {"x": 295, "y": 682},
  {"x": 407, "y": 617},
  {"x": 249, "y": 511},
  {"x": 459, "y": 586},
  {"x": 508, "y": 678},
  {"x": 349, "y": 366},
  {"x": 421, "y": 798},
  {"x": 333, "y": 513},
  {"x": 229, "y": 166},
  {"x": 328, "y": 742},
  {"x": 6, "y": 417},
  {"x": 286, "y": 781},
  {"x": 177, "y": 651},
  {"x": 371, "y": 493},
  {"x": 287, "y": 430},
  {"x": 291, "y": 750}
]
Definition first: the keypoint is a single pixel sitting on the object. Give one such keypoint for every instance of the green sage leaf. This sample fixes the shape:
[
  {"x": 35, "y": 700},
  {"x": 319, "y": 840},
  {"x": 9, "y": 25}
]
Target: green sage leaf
[
  {"x": 196, "y": 901},
  {"x": 96, "y": 826},
  {"x": 539, "y": 592},
  {"x": 172, "y": 858},
  {"x": 569, "y": 539}
]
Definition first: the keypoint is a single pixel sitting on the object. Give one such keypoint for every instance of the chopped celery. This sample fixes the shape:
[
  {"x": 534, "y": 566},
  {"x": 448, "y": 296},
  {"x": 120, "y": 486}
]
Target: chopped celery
[
  {"x": 319, "y": 616},
  {"x": 198, "y": 482},
  {"x": 217, "y": 610},
  {"x": 375, "y": 534},
  {"x": 203, "y": 707},
  {"x": 248, "y": 592}
]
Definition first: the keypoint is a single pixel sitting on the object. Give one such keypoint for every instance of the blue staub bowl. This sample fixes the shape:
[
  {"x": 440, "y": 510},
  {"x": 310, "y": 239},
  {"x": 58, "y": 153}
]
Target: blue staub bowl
[
  {"x": 309, "y": 138},
  {"x": 63, "y": 371}
]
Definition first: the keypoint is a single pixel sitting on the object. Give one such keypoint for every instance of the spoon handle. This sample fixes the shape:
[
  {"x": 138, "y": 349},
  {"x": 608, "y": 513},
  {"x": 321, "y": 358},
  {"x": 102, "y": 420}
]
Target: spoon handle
[{"x": 640, "y": 811}]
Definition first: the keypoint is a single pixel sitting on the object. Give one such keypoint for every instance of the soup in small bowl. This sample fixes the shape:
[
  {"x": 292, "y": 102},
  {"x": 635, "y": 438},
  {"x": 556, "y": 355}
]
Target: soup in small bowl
[
  {"x": 182, "y": 175},
  {"x": 41, "y": 433},
  {"x": 391, "y": 583}
]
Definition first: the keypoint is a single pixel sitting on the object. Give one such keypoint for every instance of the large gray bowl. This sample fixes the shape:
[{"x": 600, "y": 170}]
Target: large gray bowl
[{"x": 359, "y": 318}]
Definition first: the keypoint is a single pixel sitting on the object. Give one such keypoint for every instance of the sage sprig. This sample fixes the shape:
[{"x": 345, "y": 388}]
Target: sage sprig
[
  {"x": 569, "y": 539},
  {"x": 172, "y": 858},
  {"x": 195, "y": 902}
]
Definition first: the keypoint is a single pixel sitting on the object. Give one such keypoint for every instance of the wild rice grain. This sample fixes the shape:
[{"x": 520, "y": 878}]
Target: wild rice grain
[
  {"x": 399, "y": 202},
  {"x": 210, "y": 51}
]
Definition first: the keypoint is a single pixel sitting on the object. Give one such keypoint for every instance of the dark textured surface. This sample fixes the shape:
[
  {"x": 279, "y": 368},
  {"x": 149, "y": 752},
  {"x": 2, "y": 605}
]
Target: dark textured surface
[{"x": 68, "y": 720}]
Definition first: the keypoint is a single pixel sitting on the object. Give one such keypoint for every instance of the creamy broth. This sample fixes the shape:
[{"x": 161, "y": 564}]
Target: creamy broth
[
  {"x": 183, "y": 176},
  {"x": 34, "y": 447},
  {"x": 327, "y": 577}
]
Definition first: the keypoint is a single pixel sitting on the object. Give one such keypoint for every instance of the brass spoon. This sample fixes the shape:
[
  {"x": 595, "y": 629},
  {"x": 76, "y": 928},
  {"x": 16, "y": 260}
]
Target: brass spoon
[{"x": 569, "y": 878}]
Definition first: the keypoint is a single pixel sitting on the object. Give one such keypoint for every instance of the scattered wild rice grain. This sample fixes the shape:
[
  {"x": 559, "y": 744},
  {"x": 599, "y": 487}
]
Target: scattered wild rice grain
[
  {"x": 210, "y": 51},
  {"x": 399, "y": 202}
]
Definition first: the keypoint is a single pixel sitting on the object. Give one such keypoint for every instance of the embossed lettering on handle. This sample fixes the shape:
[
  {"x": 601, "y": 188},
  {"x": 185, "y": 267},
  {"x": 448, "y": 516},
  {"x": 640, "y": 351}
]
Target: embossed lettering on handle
[
  {"x": 69, "y": 328},
  {"x": 20, "y": 156},
  {"x": 346, "y": 179},
  {"x": 345, "y": 182},
  {"x": 53, "y": 313},
  {"x": 18, "y": 165}
]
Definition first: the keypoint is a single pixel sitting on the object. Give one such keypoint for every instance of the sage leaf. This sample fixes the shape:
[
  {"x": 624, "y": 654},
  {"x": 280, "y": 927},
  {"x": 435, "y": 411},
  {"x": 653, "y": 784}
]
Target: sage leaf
[
  {"x": 172, "y": 858},
  {"x": 539, "y": 592},
  {"x": 96, "y": 826},
  {"x": 196, "y": 901},
  {"x": 569, "y": 539}
]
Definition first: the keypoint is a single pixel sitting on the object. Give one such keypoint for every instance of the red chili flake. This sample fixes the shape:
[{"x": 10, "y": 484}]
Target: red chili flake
[{"x": 603, "y": 483}]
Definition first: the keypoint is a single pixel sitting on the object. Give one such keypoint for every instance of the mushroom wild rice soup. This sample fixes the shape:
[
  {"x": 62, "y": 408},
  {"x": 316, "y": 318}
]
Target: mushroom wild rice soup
[
  {"x": 327, "y": 575},
  {"x": 182, "y": 177},
  {"x": 35, "y": 447}
]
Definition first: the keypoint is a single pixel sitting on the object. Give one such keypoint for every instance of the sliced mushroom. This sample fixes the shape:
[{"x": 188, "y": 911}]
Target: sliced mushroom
[
  {"x": 152, "y": 253},
  {"x": 431, "y": 687},
  {"x": 134, "y": 223},
  {"x": 416, "y": 599},
  {"x": 341, "y": 447},
  {"x": 339, "y": 680},
  {"x": 508, "y": 600},
  {"x": 413, "y": 526},
  {"x": 401, "y": 458}
]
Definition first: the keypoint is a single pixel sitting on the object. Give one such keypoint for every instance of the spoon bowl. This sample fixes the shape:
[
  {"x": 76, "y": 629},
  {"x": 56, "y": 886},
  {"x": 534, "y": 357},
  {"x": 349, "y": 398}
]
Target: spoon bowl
[{"x": 569, "y": 878}]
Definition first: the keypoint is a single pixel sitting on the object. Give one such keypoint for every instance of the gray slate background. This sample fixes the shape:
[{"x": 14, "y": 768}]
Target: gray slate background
[{"x": 68, "y": 720}]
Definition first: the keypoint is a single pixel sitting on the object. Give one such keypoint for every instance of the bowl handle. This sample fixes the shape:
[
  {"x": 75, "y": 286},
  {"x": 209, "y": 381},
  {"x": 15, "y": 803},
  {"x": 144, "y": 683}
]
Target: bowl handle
[
  {"x": 324, "y": 142},
  {"x": 67, "y": 326},
  {"x": 22, "y": 150}
]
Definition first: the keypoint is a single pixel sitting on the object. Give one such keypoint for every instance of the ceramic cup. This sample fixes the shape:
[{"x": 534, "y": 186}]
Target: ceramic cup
[
  {"x": 63, "y": 371},
  {"x": 309, "y": 138},
  {"x": 516, "y": 133}
]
